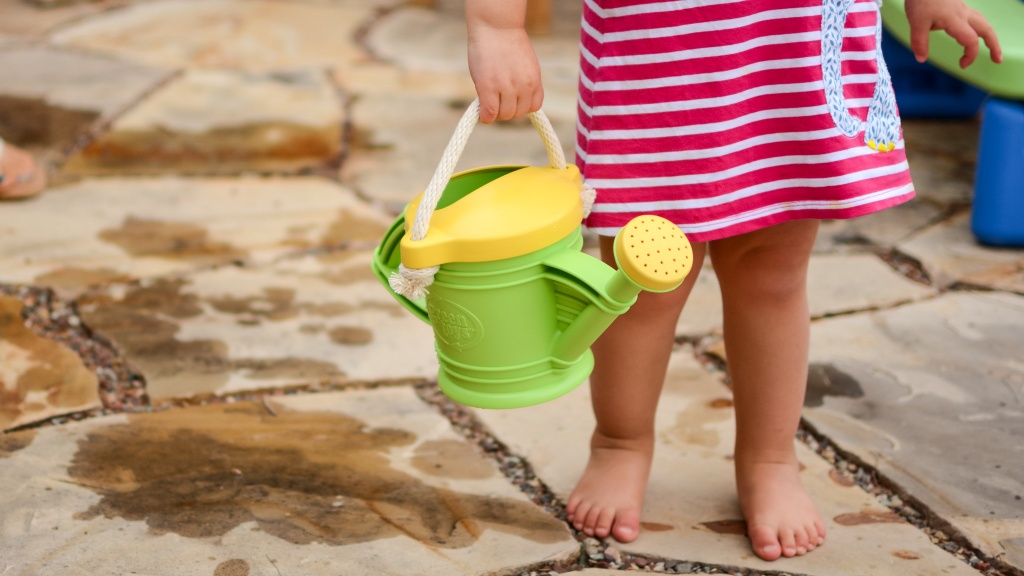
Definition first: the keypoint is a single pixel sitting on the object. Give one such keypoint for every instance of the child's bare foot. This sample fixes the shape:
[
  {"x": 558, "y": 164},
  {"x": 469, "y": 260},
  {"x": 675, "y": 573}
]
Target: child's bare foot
[
  {"x": 782, "y": 520},
  {"x": 610, "y": 494},
  {"x": 19, "y": 176}
]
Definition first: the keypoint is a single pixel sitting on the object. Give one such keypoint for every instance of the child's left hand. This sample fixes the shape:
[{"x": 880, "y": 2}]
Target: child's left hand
[{"x": 963, "y": 23}]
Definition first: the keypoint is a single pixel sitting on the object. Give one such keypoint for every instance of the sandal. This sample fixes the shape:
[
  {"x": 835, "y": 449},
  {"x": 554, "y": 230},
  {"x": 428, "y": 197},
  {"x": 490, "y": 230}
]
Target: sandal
[{"x": 19, "y": 176}]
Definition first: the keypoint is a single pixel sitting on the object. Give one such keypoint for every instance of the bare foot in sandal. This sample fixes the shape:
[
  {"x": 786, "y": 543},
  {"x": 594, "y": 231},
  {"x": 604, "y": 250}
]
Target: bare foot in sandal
[{"x": 20, "y": 177}]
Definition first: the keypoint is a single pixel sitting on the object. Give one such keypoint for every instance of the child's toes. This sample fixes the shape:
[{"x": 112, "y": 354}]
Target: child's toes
[
  {"x": 820, "y": 528},
  {"x": 802, "y": 543},
  {"x": 788, "y": 541},
  {"x": 627, "y": 526},
  {"x": 579, "y": 515},
  {"x": 603, "y": 526},
  {"x": 765, "y": 542}
]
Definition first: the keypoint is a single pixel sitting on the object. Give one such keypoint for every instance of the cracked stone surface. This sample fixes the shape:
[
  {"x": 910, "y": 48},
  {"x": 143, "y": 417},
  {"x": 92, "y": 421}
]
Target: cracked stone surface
[
  {"x": 238, "y": 34},
  {"x": 213, "y": 121},
  {"x": 311, "y": 320},
  {"x": 108, "y": 230},
  {"x": 367, "y": 482},
  {"x": 24, "y": 21},
  {"x": 50, "y": 96},
  {"x": 949, "y": 254},
  {"x": 932, "y": 394}
]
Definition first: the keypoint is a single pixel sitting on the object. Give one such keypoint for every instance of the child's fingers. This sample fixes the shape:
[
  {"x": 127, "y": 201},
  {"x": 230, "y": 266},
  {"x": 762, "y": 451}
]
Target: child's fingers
[
  {"x": 988, "y": 34},
  {"x": 964, "y": 34},
  {"x": 919, "y": 40},
  {"x": 509, "y": 106},
  {"x": 489, "y": 105},
  {"x": 538, "y": 99}
]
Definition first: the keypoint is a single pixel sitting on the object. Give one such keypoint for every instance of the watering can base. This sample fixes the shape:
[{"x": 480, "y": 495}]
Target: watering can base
[{"x": 531, "y": 392}]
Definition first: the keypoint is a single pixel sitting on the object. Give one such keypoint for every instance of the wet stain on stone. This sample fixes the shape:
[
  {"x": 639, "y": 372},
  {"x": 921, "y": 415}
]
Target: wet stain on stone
[
  {"x": 298, "y": 368},
  {"x": 695, "y": 425},
  {"x": 72, "y": 278},
  {"x": 256, "y": 146},
  {"x": 143, "y": 324},
  {"x": 721, "y": 403},
  {"x": 235, "y": 567},
  {"x": 869, "y": 517},
  {"x": 14, "y": 441},
  {"x": 451, "y": 459},
  {"x": 734, "y": 527},
  {"x": 350, "y": 275},
  {"x": 656, "y": 527},
  {"x": 275, "y": 304},
  {"x": 175, "y": 240},
  {"x": 906, "y": 555},
  {"x": 163, "y": 297},
  {"x": 827, "y": 380},
  {"x": 350, "y": 335},
  {"x": 841, "y": 479},
  {"x": 301, "y": 477},
  {"x": 350, "y": 227}
]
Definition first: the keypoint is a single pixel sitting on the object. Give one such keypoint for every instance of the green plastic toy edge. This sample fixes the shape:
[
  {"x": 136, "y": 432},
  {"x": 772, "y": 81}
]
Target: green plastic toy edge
[{"x": 1007, "y": 18}]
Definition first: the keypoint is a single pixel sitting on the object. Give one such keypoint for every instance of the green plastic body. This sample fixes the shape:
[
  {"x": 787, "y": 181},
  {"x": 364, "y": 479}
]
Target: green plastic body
[
  {"x": 515, "y": 332},
  {"x": 1007, "y": 18}
]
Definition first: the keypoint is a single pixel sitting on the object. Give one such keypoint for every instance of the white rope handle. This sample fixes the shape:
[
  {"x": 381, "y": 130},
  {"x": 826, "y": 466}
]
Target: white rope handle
[{"x": 411, "y": 282}]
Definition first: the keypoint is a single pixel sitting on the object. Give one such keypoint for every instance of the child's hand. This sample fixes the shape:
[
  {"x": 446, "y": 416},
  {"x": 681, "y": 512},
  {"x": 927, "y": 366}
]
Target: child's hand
[
  {"x": 501, "y": 60},
  {"x": 963, "y": 23}
]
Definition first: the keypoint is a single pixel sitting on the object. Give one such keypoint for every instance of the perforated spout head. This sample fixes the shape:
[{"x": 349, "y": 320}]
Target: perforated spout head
[{"x": 653, "y": 253}]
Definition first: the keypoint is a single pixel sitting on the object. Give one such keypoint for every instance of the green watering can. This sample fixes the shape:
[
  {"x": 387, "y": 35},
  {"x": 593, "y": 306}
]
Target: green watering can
[{"x": 491, "y": 259}]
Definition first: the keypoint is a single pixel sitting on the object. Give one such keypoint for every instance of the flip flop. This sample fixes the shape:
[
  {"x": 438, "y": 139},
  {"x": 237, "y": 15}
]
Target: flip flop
[{"x": 28, "y": 181}]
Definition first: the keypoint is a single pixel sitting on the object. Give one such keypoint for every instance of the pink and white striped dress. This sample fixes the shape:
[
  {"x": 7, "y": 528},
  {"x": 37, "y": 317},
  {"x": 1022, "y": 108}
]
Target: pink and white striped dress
[{"x": 728, "y": 116}]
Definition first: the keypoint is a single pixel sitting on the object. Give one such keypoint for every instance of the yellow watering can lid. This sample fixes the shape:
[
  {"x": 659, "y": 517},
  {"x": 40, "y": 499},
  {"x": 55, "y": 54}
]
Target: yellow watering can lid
[{"x": 518, "y": 213}]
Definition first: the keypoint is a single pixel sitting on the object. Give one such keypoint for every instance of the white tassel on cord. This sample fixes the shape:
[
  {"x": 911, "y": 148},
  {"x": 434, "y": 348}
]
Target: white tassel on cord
[
  {"x": 413, "y": 282},
  {"x": 588, "y": 196}
]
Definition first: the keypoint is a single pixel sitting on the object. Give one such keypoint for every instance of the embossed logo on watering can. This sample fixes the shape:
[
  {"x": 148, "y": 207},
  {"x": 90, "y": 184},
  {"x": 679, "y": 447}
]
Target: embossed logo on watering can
[{"x": 453, "y": 324}]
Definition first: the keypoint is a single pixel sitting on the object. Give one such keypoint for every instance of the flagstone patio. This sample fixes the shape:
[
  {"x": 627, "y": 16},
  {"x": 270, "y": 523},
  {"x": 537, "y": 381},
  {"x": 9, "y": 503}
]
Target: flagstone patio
[{"x": 200, "y": 374}]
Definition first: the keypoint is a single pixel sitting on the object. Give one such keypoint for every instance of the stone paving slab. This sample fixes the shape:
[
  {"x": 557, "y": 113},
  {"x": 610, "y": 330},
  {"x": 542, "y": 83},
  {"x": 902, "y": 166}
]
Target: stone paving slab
[
  {"x": 224, "y": 122},
  {"x": 950, "y": 254},
  {"x": 932, "y": 395},
  {"x": 691, "y": 512},
  {"x": 310, "y": 320},
  {"x": 838, "y": 283},
  {"x": 50, "y": 96},
  {"x": 39, "y": 378},
  {"x": 256, "y": 35},
  {"x": 25, "y": 21},
  {"x": 101, "y": 231},
  {"x": 371, "y": 482}
]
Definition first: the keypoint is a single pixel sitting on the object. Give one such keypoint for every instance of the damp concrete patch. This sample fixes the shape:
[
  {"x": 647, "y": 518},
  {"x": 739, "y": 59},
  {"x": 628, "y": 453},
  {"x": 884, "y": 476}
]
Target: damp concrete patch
[
  {"x": 39, "y": 378},
  {"x": 320, "y": 485},
  {"x": 932, "y": 395},
  {"x": 224, "y": 122},
  {"x": 691, "y": 512},
  {"x": 105, "y": 230},
  {"x": 302, "y": 321}
]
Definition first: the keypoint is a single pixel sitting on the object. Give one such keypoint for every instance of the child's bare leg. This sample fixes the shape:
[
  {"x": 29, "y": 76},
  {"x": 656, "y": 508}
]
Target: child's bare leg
[
  {"x": 631, "y": 359},
  {"x": 763, "y": 276}
]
